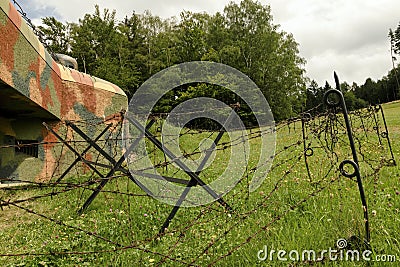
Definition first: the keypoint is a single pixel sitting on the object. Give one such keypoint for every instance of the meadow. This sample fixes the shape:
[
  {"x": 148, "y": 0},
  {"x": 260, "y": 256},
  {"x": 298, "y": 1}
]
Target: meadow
[{"x": 298, "y": 207}]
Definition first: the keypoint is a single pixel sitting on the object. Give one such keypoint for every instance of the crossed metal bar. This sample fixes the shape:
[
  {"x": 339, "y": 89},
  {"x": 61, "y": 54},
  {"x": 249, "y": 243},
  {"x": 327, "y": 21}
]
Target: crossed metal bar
[
  {"x": 194, "y": 176},
  {"x": 117, "y": 165},
  {"x": 82, "y": 154}
]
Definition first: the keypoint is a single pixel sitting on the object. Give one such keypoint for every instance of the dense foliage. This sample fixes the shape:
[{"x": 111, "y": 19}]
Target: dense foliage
[
  {"x": 130, "y": 51},
  {"x": 243, "y": 36}
]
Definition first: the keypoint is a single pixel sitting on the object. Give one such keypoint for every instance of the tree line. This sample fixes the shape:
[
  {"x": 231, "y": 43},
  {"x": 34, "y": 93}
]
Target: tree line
[
  {"x": 243, "y": 36},
  {"x": 386, "y": 89}
]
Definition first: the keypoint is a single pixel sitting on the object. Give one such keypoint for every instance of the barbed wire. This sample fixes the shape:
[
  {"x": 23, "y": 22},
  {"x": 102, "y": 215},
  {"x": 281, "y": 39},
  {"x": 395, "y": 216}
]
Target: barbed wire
[
  {"x": 306, "y": 137},
  {"x": 41, "y": 36}
]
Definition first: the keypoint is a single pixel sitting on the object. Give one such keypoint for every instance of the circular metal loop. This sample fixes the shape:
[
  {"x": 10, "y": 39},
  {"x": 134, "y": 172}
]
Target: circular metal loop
[
  {"x": 377, "y": 108},
  {"x": 309, "y": 152},
  {"x": 354, "y": 165},
  {"x": 375, "y": 128},
  {"x": 384, "y": 135},
  {"x": 333, "y": 98}
]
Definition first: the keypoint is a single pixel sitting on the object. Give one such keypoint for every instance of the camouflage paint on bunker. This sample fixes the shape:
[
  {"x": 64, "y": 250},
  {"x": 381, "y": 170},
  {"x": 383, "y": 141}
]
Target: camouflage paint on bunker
[{"x": 34, "y": 88}]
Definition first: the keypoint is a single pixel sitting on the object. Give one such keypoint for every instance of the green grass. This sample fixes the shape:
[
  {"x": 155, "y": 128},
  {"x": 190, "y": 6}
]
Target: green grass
[{"x": 288, "y": 212}]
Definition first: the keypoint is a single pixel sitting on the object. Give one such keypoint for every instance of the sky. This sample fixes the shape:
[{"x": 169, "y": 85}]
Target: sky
[{"x": 346, "y": 36}]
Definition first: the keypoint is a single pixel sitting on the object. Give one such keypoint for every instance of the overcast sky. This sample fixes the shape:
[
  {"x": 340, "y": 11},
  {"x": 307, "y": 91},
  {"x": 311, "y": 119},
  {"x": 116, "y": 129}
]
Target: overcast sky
[{"x": 348, "y": 36}]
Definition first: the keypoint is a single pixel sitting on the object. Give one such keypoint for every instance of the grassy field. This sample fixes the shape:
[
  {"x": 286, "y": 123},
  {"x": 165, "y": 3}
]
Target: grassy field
[{"x": 291, "y": 211}]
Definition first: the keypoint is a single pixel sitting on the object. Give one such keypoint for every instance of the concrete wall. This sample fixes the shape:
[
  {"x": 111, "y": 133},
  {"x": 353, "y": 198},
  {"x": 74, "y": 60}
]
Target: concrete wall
[
  {"x": 35, "y": 88},
  {"x": 15, "y": 165}
]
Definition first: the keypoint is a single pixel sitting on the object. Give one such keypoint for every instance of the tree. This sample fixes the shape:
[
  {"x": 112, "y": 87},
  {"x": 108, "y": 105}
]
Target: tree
[
  {"x": 268, "y": 56},
  {"x": 192, "y": 36},
  {"x": 243, "y": 36},
  {"x": 395, "y": 39},
  {"x": 57, "y": 35},
  {"x": 314, "y": 97},
  {"x": 106, "y": 48},
  {"x": 93, "y": 38},
  {"x": 391, "y": 82},
  {"x": 395, "y": 48}
]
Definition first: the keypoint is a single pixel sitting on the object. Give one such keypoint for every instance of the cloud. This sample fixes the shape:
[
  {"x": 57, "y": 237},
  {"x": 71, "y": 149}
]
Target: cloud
[
  {"x": 72, "y": 10},
  {"x": 348, "y": 36},
  {"x": 35, "y": 12},
  {"x": 351, "y": 67}
]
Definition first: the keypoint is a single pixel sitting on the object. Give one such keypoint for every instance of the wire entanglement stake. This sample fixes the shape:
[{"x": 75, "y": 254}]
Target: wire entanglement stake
[{"x": 338, "y": 101}]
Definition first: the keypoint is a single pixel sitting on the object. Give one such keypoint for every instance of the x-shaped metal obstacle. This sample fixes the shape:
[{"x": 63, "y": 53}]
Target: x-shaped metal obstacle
[{"x": 116, "y": 165}]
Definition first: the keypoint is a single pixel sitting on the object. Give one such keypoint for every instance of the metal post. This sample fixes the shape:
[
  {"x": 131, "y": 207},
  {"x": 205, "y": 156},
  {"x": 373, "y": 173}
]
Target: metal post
[{"x": 354, "y": 163}]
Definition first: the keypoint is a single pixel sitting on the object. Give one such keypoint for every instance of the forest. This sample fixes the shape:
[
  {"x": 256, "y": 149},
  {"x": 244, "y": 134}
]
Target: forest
[{"x": 243, "y": 36}]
